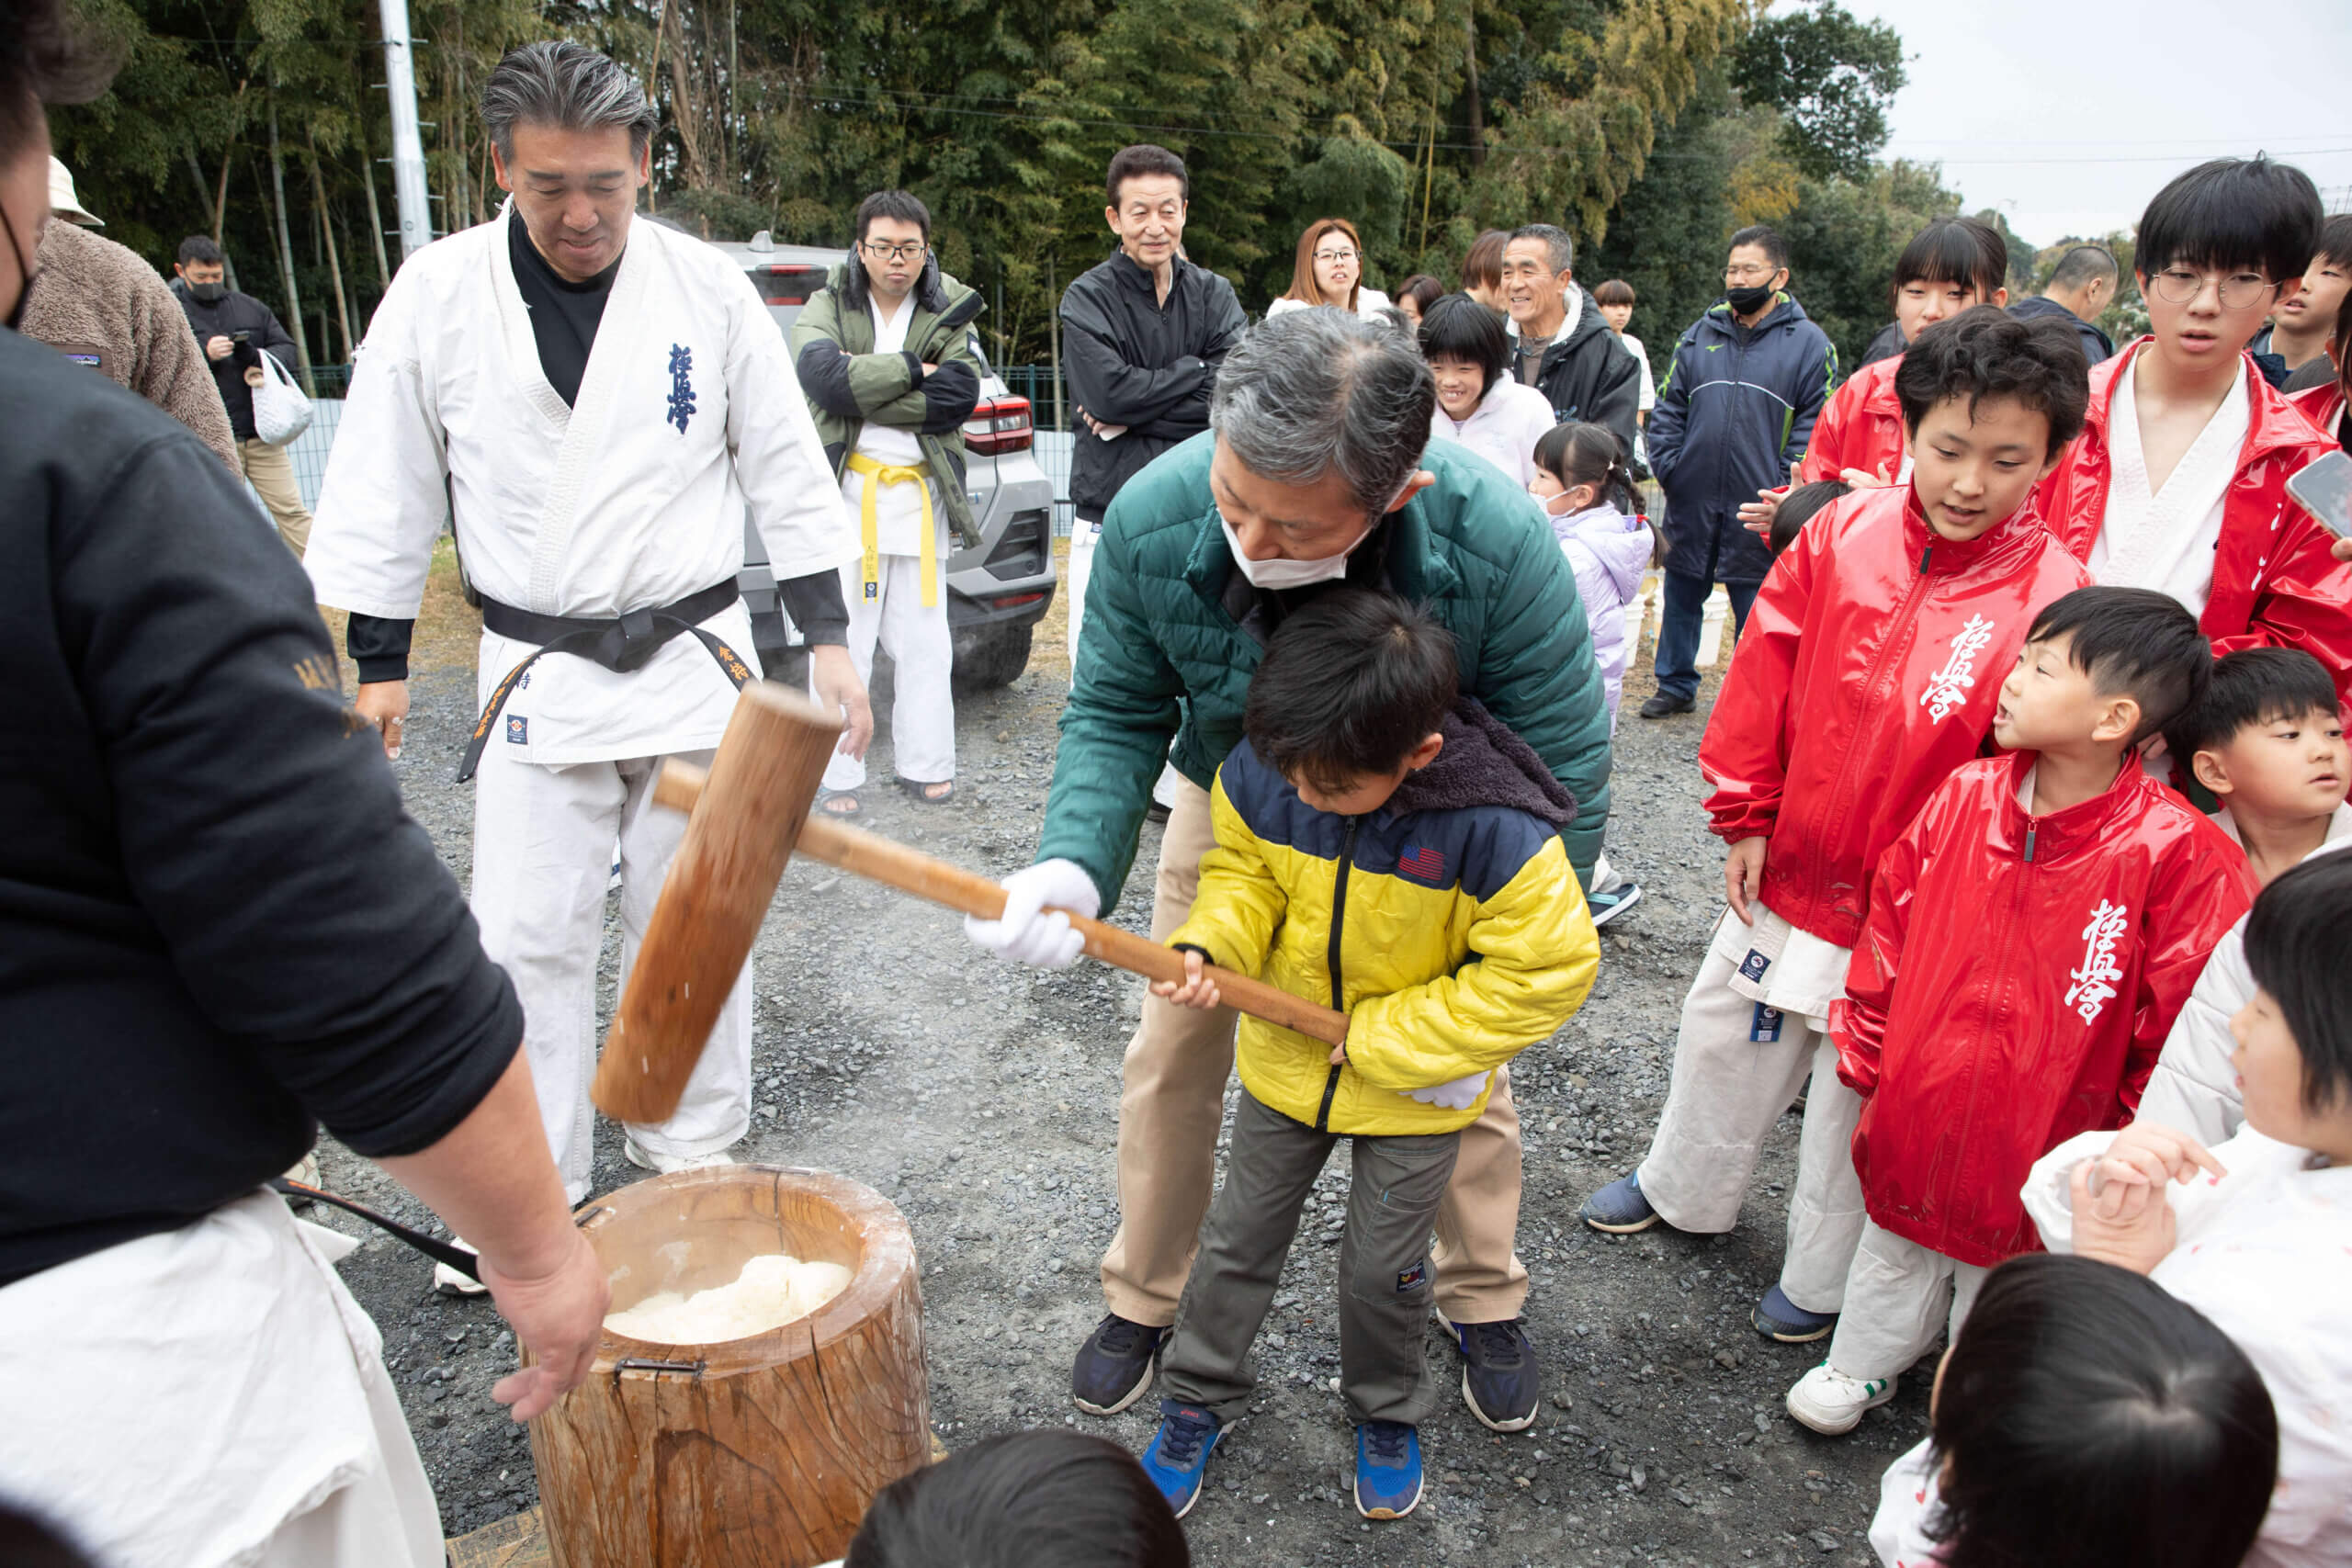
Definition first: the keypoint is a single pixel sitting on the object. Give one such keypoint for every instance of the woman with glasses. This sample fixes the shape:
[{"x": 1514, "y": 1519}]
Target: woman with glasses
[
  {"x": 1330, "y": 271},
  {"x": 2178, "y": 481}
]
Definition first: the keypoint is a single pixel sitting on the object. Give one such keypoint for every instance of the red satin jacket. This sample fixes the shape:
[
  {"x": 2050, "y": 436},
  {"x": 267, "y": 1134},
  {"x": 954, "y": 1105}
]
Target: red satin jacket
[
  {"x": 2323, "y": 406},
  {"x": 2014, "y": 987},
  {"x": 1859, "y": 428},
  {"x": 2275, "y": 583},
  {"x": 1870, "y": 666}
]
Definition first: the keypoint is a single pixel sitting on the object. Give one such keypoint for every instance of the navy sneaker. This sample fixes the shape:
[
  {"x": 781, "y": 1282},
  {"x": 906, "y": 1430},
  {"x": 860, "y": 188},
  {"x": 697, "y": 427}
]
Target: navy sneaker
[
  {"x": 1607, "y": 907},
  {"x": 1618, "y": 1209},
  {"x": 1388, "y": 1469},
  {"x": 1500, "y": 1382},
  {"x": 1777, "y": 1318},
  {"x": 1114, "y": 1366},
  {"x": 1179, "y": 1452}
]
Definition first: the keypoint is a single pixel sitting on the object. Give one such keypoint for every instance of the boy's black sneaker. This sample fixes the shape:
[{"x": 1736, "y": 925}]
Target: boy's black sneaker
[
  {"x": 1114, "y": 1365},
  {"x": 1500, "y": 1382},
  {"x": 1662, "y": 705}
]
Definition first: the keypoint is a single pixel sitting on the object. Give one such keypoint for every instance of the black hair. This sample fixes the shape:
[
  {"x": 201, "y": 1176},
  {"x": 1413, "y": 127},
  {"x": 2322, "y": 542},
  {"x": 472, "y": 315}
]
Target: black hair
[
  {"x": 48, "y": 55},
  {"x": 896, "y": 203},
  {"x": 1797, "y": 507},
  {"x": 2086, "y": 1418},
  {"x": 1043, "y": 1498},
  {"x": 2080, "y": 265},
  {"x": 1616, "y": 291},
  {"x": 1349, "y": 685},
  {"x": 1985, "y": 351},
  {"x": 2334, "y": 241},
  {"x": 1579, "y": 454},
  {"x": 2294, "y": 950},
  {"x": 2232, "y": 214},
  {"x": 2254, "y": 685},
  {"x": 1955, "y": 250},
  {"x": 1422, "y": 289},
  {"x": 2342, "y": 344},
  {"x": 1460, "y": 328},
  {"x": 200, "y": 250},
  {"x": 1768, "y": 241},
  {"x": 1142, "y": 160},
  {"x": 2135, "y": 642}
]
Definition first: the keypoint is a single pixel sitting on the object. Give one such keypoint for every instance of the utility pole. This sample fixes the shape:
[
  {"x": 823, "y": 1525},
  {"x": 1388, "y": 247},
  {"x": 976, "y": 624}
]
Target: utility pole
[{"x": 408, "y": 146}]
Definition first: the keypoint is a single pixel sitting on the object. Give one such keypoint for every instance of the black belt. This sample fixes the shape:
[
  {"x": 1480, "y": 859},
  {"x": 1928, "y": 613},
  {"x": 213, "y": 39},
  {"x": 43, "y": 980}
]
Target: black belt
[{"x": 622, "y": 645}]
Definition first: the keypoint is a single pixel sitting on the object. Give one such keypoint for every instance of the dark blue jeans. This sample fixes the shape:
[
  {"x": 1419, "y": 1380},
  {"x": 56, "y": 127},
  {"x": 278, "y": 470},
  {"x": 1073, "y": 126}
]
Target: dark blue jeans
[{"x": 1678, "y": 632}]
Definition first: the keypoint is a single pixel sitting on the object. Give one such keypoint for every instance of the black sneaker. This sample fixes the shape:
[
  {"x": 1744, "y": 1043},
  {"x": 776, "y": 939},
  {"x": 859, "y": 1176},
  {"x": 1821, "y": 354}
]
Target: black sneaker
[
  {"x": 1664, "y": 703},
  {"x": 1114, "y": 1365},
  {"x": 1500, "y": 1382}
]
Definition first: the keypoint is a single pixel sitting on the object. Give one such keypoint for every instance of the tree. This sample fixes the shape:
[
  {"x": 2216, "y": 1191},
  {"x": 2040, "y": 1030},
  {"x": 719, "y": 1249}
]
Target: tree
[
  {"x": 1843, "y": 240},
  {"x": 1831, "y": 76}
]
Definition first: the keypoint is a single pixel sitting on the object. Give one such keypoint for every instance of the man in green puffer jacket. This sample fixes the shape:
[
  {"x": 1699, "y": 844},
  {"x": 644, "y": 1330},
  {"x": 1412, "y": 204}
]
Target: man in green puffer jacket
[
  {"x": 1313, "y": 471},
  {"x": 885, "y": 355}
]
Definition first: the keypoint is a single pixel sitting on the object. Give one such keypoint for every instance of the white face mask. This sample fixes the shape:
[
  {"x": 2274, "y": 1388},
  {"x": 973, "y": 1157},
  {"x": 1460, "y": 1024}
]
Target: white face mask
[{"x": 1283, "y": 572}]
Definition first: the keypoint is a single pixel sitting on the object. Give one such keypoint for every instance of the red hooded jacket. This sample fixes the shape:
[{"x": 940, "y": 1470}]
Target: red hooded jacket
[
  {"x": 2274, "y": 582},
  {"x": 1869, "y": 669},
  {"x": 2015, "y": 987},
  {"x": 1859, "y": 428}
]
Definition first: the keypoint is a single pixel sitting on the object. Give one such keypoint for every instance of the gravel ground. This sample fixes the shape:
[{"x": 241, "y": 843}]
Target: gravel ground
[{"x": 982, "y": 1099}]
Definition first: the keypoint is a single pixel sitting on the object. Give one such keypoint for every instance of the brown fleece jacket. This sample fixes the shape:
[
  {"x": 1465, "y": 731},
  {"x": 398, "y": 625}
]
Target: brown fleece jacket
[{"x": 101, "y": 304}]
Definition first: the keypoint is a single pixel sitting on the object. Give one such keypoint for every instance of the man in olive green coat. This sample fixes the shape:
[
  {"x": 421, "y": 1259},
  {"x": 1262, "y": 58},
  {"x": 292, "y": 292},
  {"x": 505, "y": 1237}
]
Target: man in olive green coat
[
  {"x": 886, "y": 357},
  {"x": 1313, "y": 471}
]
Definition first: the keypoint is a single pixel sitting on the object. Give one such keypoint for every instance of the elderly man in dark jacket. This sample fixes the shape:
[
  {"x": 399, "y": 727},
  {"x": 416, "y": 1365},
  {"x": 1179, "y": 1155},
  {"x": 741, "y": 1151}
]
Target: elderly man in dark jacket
[
  {"x": 1736, "y": 410},
  {"x": 1561, "y": 345}
]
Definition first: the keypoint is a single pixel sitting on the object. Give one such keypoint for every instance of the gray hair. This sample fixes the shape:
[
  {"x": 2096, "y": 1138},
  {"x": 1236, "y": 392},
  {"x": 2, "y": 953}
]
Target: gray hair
[
  {"x": 569, "y": 86},
  {"x": 1315, "y": 392},
  {"x": 1564, "y": 250}
]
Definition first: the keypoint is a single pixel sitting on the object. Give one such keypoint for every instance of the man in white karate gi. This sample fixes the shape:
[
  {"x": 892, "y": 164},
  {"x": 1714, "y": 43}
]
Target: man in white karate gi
[{"x": 595, "y": 400}]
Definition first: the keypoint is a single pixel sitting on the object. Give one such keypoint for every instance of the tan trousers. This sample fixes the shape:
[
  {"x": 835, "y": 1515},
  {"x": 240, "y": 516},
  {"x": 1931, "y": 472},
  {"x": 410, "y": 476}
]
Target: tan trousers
[
  {"x": 271, "y": 473},
  {"x": 1173, "y": 1101}
]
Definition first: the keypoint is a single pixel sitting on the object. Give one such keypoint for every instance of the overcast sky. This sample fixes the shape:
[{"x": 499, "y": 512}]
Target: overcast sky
[{"x": 2069, "y": 115}]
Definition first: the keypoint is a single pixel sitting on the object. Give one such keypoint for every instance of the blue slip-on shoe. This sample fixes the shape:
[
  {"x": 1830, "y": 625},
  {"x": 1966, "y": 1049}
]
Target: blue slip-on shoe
[
  {"x": 1388, "y": 1469},
  {"x": 1618, "y": 1209},
  {"x": 1113, "y": 1367},
  {"x": 1500, "y": 1382},
  {"x": 1179, "y": 1452},
  {"x": 1777, "y": 1318}
]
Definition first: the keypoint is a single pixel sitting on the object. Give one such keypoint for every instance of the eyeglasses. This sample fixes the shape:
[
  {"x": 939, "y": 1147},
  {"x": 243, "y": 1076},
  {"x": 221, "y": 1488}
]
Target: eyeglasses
[
  {"x": 2239, "y": 291},
  {"x": 909, "y": 251},
  {"x": 1747, "y": 273},
  {"x": 1335, "y": 256}
]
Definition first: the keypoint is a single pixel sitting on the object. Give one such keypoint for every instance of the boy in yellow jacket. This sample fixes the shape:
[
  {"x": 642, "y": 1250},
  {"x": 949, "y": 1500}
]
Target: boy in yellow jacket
[{"x": 1396, "y": 851}]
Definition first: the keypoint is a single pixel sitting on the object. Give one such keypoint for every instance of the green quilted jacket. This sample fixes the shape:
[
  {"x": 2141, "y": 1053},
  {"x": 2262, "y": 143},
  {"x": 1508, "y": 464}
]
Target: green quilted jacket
[{"x": 1165, "y": 641}]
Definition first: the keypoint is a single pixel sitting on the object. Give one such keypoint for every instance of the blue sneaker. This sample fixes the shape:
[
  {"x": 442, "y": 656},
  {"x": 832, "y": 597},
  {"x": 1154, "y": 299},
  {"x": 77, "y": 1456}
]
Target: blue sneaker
[
  {"x": 1777, "y": 1318},
  {"x": 1388, "y": 1469},
  {"x": 1179, "y": 1452},
  {"x": 1618, "y": 1209}
]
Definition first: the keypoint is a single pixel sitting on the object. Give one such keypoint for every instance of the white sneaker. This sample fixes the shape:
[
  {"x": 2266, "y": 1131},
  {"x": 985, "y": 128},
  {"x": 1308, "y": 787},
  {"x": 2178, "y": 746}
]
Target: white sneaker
[
  {"x": 1832, "y": 1404},
  {"x": 646, "y": 1159},
  {"x": 449, "y": 1282}
]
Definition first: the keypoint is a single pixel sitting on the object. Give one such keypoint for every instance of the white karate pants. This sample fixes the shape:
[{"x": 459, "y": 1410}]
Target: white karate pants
[
  {"x": 1727, "y": 1091},
  {"x": 922, "y": 710},
  {"x": 543, "y": 854},
  {"x": 1083, "y": 537},
  {"x": 1899, "y": 1296}
]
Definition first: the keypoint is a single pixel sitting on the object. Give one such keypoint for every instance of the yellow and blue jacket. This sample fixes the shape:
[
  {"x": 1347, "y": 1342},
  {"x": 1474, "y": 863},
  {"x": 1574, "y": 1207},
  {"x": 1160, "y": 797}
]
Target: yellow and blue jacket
[{"x": 1448, "y": 924}]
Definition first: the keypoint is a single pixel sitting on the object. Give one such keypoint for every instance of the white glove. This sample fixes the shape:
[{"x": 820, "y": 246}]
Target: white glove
[
  {"x": 1459, "y": 1095},
  {"x": 1027, "y": 934}
]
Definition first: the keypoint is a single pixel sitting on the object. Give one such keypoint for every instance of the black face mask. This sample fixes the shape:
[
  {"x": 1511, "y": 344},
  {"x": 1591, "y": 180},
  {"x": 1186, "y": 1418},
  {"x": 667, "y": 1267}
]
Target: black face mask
[
  {"x": 1747, "y": 301},
  {"x": 208, "y": 293}
]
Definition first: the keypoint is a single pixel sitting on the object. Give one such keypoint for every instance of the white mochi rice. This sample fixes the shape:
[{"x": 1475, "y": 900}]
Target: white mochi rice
[{"x": 771, "y": 1291}]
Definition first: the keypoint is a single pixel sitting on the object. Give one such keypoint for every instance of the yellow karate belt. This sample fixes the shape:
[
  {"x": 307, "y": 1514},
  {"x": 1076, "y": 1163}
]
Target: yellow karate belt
[{"x": 876, "y": 476}]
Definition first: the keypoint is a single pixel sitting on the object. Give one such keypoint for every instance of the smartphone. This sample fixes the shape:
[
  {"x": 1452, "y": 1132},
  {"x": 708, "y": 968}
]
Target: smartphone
[{"x": 2324, "y": 489}]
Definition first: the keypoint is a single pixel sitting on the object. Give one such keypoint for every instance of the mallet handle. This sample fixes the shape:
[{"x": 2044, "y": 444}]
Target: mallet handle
[{"x": 926, "y": 876}]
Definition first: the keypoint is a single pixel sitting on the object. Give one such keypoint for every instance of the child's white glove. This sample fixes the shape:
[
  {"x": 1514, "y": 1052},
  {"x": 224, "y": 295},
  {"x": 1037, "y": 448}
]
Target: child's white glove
[
  {"x": 1459, "y": 1095},
  {"x": 1029, "y": 934}
]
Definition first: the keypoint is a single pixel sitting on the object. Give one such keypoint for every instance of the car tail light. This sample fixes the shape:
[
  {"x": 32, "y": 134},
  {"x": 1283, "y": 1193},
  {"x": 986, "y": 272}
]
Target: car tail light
[
  {"x": 787, "y": 283},
  {"x": 996, "y": 426}
]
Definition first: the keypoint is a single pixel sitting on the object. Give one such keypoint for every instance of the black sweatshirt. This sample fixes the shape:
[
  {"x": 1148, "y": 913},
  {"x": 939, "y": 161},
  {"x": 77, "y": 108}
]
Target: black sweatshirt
[
  {"x": 564, "y": 319},
  {"x": 217, "y": 922},
  {"x": 1146, "y": 363}
]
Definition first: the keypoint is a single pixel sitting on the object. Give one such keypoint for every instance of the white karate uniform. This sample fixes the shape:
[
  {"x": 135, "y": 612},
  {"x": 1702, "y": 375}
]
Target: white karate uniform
[
  {"x": 2266, "y": 1253},
  {"x": 269, "y": 1368},
  {"x": 2165, "y": 539},
  {"x": 632, "y": 499},
  {"x": 1753, "y": 1026},
  {"x": 922, "y": 705}
]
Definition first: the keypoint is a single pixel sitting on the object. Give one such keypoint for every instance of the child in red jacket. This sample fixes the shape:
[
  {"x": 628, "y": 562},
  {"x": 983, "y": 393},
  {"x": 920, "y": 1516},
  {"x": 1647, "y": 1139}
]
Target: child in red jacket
[
  {"x": 1865, "y": 676},
  {"x": 2032, "y": 935}
]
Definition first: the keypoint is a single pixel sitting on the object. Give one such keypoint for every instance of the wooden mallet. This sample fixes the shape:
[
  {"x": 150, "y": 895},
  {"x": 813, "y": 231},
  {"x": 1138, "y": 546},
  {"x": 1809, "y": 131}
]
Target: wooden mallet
[{"x": 761, "y": 814}]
